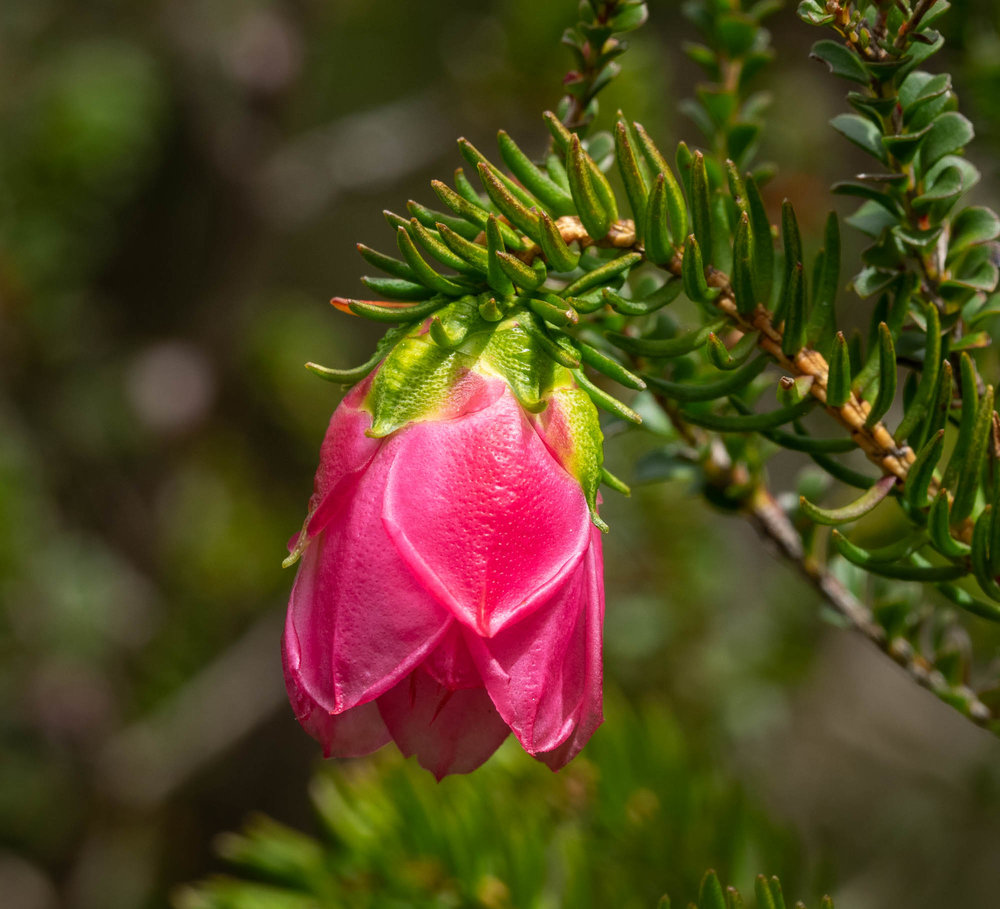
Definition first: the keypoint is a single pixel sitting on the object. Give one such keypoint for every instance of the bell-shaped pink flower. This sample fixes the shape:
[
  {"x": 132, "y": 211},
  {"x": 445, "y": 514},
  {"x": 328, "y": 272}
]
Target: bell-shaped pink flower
[{"x": 450, "y": 589}]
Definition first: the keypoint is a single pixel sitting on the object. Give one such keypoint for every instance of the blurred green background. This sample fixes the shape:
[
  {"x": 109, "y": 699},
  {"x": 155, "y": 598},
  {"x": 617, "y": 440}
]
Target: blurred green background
[{"x": 181, "y": 183}]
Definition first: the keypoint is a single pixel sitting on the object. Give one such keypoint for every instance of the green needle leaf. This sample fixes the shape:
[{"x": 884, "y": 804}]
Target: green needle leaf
[
  {"x": 928, "y": 377},
  {"x": 496, "y": 276},
  {"x": 711, "y": 391},
  {"x": 425, "y": 274},
  {"x": 901, "y": 571},
  {"x": 693, "y": 274},
  {"x": 666, "y": 347},
  {"x": 972, "y": 465},
  {"x": 887, "y": 376},
  {"x": 938, "y": 526},
  {"x": 605, "y": 401},
  {"x": 636, "y": 187},
  {"x": 701, "y": 204},
  {"x": 921, "y": 472},
  {"x": 857, "y": 509},
  {"x": 838, "y": 386},
  {"x": 556, "y": 200},
  {"x": 554, "y": 248},
  {"x": 756, "y": 422},
  {"x": 676, "y": 206},
  {"x": 603, "y": 274}
]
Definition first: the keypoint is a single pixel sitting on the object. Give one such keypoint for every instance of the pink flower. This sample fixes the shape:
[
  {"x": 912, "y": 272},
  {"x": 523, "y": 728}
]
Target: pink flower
[{"x": 450, "y": 589}]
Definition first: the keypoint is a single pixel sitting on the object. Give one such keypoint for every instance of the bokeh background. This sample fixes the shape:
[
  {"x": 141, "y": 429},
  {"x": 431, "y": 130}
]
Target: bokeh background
[{"x": 181, "y": 184}]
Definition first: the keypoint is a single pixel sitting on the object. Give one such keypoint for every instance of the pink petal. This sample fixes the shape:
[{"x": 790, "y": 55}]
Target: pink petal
[
  {"x": 448, "y": 731},
  {"x": 450, "y": 663},
  {"x": 484, "y": 515},
  {"x": 346, "y": 451},
  {"x": 544, "y": 673},
  {"x": 359, "y": 618}
]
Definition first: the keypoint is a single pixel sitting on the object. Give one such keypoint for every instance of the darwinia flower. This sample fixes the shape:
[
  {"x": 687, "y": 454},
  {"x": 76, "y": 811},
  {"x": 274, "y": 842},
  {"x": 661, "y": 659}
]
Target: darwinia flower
[{"x": 450, "y": 589}]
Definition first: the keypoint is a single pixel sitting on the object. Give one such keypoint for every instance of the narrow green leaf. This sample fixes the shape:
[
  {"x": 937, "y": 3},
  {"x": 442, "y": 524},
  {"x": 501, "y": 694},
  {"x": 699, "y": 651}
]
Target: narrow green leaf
[
  {"x": 478, "y": 160},
  {"x": 346, "y": 376},
  {"x": 981, "y": 555},
  {"x": 964, "y": 600},
  {"x": 764, "y": 898},
  {"x": 508, "y": 204},
  {"x": 838, "y": 384},
  {"x": 556, "y": 200},
  {"x": 852, "y": 512},
  {"x": 939, "y": 528},
  {"x": 612, "y": 482},
  {"x": 797, "y": 442},
  {"x": 791, "y": 240},
  {"x": 395, "y": 313},
  {"x": 972, "y": 465},
  {"x": 841, "y": 472},
  {"x": 430, "y": 219},
  {"x": 397, "y": 289},
  {"x": 473, "y": 214},
  {"x": 388, "y": 264},
  {"x": 723, "y": 358},
  {"x": 554, "y": 248},
  {"x": 554, "y": 309},
  {"x": 598, "y": 360},
  {"x": 524, "y": 276},
  {"x": 921, "y": 472},
  {"x": 496, "y": 276},
  {"x": 470, "y": 252},
  {"x": 595, "y": 216},
  {"x": 928, "y": 377},
  {"x": 827, "y": 282},
  {"x": 432, "y": 243},
  {"x": 425, "y": 274},
  {"x": 676, "y": 206},
  {"x": 710, "y": 895},
  {"x": 603, "y": 274},
  {"x": 794, "y": 306},
  {"x": 693, "y": 274},
  {"x": 560, "y": 354},
  {"x": 900, "y": 571},
  {"x": 763, "y": 242},
  {"x": 969, "y": 384},
  {"x": 742, "y": 281},
  {"x": 887, "y": 376},
  {"x": 636, "y": 187},
  {"x": 605, "y": 401},
  {"x": 666, "y": 347},
  {"x": 465, "y": 188},
  {"x": 734, "y": 381},
  {"x": 656, "y": 229},
  {"x": 663, "y": 296},
  {"x": 756, "y": 422},
  {"x": 776, "y": 894},
  {"x": 701, "y": 204}
]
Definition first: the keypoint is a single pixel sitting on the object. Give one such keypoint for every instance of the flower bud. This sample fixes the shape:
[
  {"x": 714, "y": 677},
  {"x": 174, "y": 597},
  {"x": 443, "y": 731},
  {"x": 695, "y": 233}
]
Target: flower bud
[{"x": 450, "y": 588}]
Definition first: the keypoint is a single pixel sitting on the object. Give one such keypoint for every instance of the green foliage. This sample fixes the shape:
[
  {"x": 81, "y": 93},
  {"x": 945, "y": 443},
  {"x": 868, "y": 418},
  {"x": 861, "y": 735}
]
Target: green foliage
[
  {"x": 511, "y": 835},
  {"x": 558, "y": 255}
]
